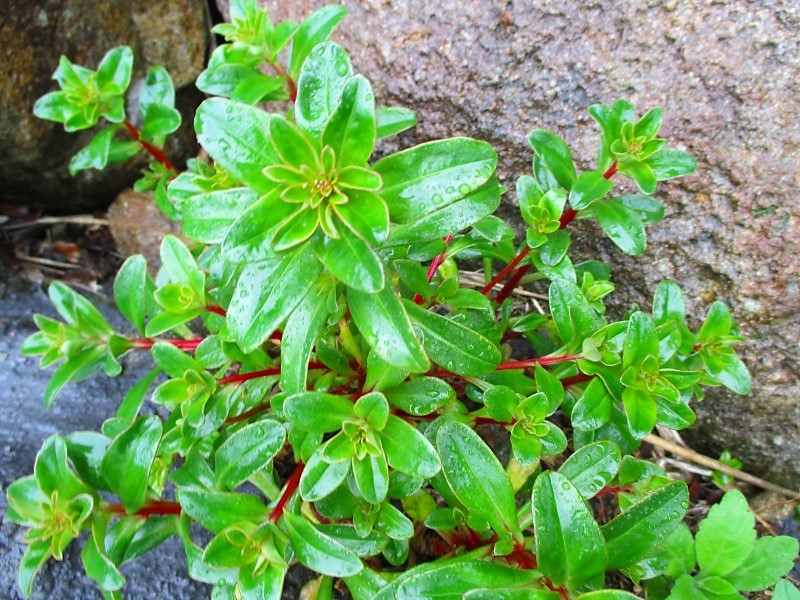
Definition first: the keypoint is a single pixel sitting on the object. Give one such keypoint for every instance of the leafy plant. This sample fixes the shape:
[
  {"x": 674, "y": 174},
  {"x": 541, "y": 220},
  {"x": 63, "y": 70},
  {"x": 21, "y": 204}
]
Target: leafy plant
[{"x": 298, "y": 330}]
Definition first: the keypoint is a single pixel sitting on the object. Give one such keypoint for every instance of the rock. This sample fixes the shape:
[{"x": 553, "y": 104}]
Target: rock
[
  {"x": 727, "y": 76},
  {"x": 138, "y": 226},
  {"x": 34, "y": 154}
]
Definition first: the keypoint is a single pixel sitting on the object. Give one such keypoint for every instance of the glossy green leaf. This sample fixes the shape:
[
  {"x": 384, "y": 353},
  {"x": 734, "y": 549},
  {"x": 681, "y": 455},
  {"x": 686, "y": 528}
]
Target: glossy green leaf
[
  {"x": 382, "y": 320},
  {"x": 669, "y": 163},
  {"x": 320, "y": 478},
  {"x": 394, "y": 119},
  {"x": 246, "y": 451},
  {"x": 430, "y": 176},
  {"x": 592, "y": 467},
  {"x": 130, "y": 290},
  {"x": 54, "y": 106},
  {"x": 622, "y": 224},
  {"x": 556, "y": 155},
  {"x": 477, "y": 477},
  {"x": 420, "y": 396},
  {"x": 726, "y": 536},
  {"x": 450, "y": 218},
  {"x": 300, "y": 334},
  {"x": 588, "y": 187},
  {"x": 452, "y": 345},
  {"x": 634, "y": 533},
  {"x": 219, "y": 510},
  {"x": 641, "y": 340},
  {"x": 351, "y": 261},
  {"x": 351, "y": 130},
  {"x": 160, "y": 121},
  {"x": 569, "y": 547},
  {"x": 86, "y": 450},
  {"x": 75, "y": 369},
  {"x": 407, "y": 450},
  {"x": 129, "y": 458},
  {"x": 266, "y": 294},
  {"x": 98, "y": 565},
  {"x": 573, "y": 315},
  {"x": 207, "y": 217},
  {"x": 158, "y": 90},
  {"x": 318, "y": 411},
  {"x": 371, "y": 475},
  {"x": 115, "y": 68},
  {"x": 36, "y": 554},
  {"x": 642, "y": 174},
  {"x": 319, "y": 551},
  {"x": 249, "y": 237},
  {"x": 608, "y": 595},
  {"x": 174, "y": 362},
  {"x": 236, "y": 136},
  {"x": 314, "y": 30},
  {"x": 451, "y": 579},
  {"x": 785, "y": 590},
  {"x": 52, "y": 470},
  {"x": 319, "y": 87},
  {"x": 641, "y": 410},
  {"x": 95, "y": 154},
  {"x": 511, "y": 594}
]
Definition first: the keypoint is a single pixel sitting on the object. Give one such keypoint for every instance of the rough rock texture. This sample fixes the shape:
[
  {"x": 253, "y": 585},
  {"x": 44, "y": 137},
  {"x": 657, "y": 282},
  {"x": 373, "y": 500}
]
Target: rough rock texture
[
  {"x": 34, "y": 154},
  {"x": 727, "y": 77}
]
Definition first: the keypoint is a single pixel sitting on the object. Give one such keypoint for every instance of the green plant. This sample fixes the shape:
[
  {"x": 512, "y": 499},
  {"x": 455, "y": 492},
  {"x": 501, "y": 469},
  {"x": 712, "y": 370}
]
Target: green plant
[{"x": 332, "y": 353}]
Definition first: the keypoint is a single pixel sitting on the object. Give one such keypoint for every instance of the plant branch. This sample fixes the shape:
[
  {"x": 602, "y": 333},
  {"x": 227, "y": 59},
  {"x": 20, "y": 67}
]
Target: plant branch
[
  {"x": 532, "y": 362},
  {"x": 291, "y": 487},
  {"x": 706, "y": 461},
  {"x": 281, "y": 72},
  {"x": 151, "y": 509},
  {"x": 156, "y": 153},
  {"x": 148, "y": 343}
]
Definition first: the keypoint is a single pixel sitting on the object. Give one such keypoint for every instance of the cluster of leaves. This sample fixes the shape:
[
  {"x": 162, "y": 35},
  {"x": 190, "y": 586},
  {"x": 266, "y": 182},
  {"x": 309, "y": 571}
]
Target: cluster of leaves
[{"x": 328, "y": 350}]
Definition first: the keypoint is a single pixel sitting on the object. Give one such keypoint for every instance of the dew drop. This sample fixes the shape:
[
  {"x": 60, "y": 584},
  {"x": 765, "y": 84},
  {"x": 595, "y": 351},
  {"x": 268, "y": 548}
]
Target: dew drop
[
  {"x": 464, "y": 188},
  {"x": 437, "y": 199}
]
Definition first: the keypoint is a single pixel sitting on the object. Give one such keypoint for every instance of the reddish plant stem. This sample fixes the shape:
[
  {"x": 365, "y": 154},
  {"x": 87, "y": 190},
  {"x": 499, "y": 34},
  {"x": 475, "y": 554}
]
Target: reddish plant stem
[
  {"x": 281, "y": 72},
  {"x": 148, "y": 343},
  {"x": 567, "y": 218},
  {"x": 532, "y": 362},
  {"x": 156, "y": 153},
  {"x": 522, "y": 557},
  {"x": 217, "y": 310},
  {"x": 435, "y": 264},
  {"x": 242, "y": 377},
  {"x": 151, "y": 509},
  {"x": 247, "y": 414},
  {"x": 612, "y": 490},
  {"x": 291, "y": 487},
  {"x": 580, "y": 378},
  {"x": 508, "y": 268}
]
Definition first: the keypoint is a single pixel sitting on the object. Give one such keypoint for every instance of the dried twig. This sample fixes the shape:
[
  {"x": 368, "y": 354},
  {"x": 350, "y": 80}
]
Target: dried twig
[{"x": 706, "y": 461}]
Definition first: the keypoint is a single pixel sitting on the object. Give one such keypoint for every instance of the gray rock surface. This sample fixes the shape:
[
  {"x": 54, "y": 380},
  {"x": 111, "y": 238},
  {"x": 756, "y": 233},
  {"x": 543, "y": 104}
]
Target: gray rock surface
[
  {"x": 34, "y": 154},
  {"x": 728, "y": 77}
]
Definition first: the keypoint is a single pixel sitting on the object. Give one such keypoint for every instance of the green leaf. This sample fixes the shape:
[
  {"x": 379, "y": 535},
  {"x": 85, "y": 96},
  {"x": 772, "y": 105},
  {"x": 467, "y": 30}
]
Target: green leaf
[
  {"x": 477, "y": 477},
  {"x": 52, "y": 470},
  {"x": 569, "y": 547},
  {"x": 511, "y": 594},
  {"x": 785, "y": 590},
  {"x": 382, "y": 320},
  {"x": 246, "y": 451},
  {"x": 318, "y": 551},
  {"x": 98, "y": 565},
  {"x": 236, "y": 136},
  {"x": 394, "y": 119},
  {"x": 180, "y": 265},
  {"x": 718, "y": 323},
  {"x": 451, "y": 579},
  {"x": 86, "y": 450},
  {"x": 74, "y": 369},
  {"x": 641, "y": 340},
  {"x": 608, "y": 595},
  {"x": 300, "y": 334},
  {"x": 320, "y": 478},
  {"x": 159, "y": 121},
  {"x": 633, "y": 534},
  {"x": 726, "y": 536},
  {"x": 35, "y": 556},
  {"x": 593, "y": 408},
  {"x": 588, "y": 188},
  {"x": 452, "y": 345},
  {"x": 320, "y": 86},
  {"x": 207, "y": 217},
  {"x": 573, "y": 315},
  {"x": 318, "y": 411},
  {"x": 130, "y": 290},
  {"x": 371, "y": 475},
  {"x": 407, "y": 450},
  {"x": 53, "y": 107},
  {"x": 770, "y": 559},
  {"x": 129, "y": 458},
  {"x": 556, "y": 155},
  {"x": 641, "y": 411},
  {"x": 420, "y": 396},
  {"x": 642, "y": 174},
  {"x": 669, "y": 163},
  {"x": 592, "y": 467},
  {"x": 350, "y": 130},
  {"x": 173, "y": 361},
  {"x": 95, "y": 154},
  {"x": 315, "y": 29},
  {"x": 622, "y": 224},
  {"x": 351, "y": 261},
  {"x": 249, "y": 238},
  {"x": 451, "y": 218},
  {"x": 115, "y": 68},
  {"x": 219, "y": 510},
  {"x": 430, "y": 176},
  {"x": 158, "y": 90},
  {"x": 266, "y": 294}
]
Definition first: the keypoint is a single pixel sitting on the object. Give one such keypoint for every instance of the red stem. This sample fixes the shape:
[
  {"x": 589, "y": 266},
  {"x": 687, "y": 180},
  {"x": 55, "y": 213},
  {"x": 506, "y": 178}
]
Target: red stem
[
  {"x": 566, "y": 218},
  {"x": 242, "y": 377},
  {"x": 580, "y": 378},
  {"x": 289, "y": 81},
  {"x": 147, "y": 343},
  {"x": 156, "y": 153},
  {"x": 288, "y": 492},
  {"x": 151, "y": 509},
  {"x": 532, "y": 362},
  {"x": 435, "y": 263},
  {"x": 217, "y": 310}
]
